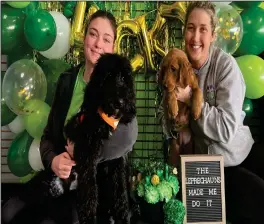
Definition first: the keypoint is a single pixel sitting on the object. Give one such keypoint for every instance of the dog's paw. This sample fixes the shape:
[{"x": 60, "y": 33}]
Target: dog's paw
[
  {"x": 171, "y": 105},
  {"x": 173, "y": 110},
  {"x": 172, "y": 115},
  {"x": 197, "y": 101},
  {"x": 196, "y": 112}
]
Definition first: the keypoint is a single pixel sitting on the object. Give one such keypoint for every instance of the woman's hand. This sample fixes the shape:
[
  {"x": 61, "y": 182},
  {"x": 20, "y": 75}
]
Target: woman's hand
[
  {"x": 184, "y": 95},
  {"x": 62, "y": 165}
]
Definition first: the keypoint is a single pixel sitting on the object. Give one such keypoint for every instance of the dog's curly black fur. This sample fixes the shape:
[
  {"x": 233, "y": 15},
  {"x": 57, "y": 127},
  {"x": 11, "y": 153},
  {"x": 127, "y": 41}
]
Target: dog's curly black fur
[{"x": 111, "y": 88}]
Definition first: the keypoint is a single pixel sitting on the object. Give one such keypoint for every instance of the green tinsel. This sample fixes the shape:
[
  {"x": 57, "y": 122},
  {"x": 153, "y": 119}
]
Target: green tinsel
[
  {"x": 151, "y": 194},
  {"x": 140, "y": 190},
  {"x": 174, "y": 212},
  {"x": 147, "y": 168},
  {"x": 174, "y": 183},
  {"x": 165, "y": 190}
]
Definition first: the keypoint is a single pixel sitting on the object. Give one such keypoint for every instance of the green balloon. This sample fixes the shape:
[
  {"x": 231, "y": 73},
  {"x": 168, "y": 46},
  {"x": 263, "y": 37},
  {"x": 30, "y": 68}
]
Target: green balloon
[
  {"x": 52, "y": 69},
  {"x": 6, "y": 114},
  {"x": 28, "y": 177},
  {"x": 18, "y": 5},
  {"x": 17, "y": 157},
  {"x": 40, "y": 30},
  {"x": 12, "y": 30},
  {"x": 252, "y": 68},
  {"x": 23, "y": 51},
  {"x": 246, "y": 4},
  {"x": 68, "y": 10},
  {"x": 38, "y": 118},
  {"x": 248, "y": 107},
  {"x": 253, "y": 37},
  {"x": 32, "y": 8}
]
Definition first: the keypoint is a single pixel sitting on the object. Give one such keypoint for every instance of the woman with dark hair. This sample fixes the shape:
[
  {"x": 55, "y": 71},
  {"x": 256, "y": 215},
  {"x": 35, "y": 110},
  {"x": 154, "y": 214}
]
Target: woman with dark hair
[{"x": 35, "y": 204}]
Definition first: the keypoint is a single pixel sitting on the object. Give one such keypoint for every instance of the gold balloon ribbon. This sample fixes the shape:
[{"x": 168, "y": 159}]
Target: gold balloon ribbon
[
  {"x": 175, "y": 10},
  {"x": 77, "y": 32}
]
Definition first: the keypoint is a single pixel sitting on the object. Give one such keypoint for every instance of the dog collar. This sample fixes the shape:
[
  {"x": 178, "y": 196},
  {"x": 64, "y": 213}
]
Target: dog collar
[
  {"x": 109, "y": 120},
  {"x": 113, "y": 122}
]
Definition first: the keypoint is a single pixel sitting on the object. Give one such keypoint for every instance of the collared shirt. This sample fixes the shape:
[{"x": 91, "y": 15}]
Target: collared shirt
[{"x": 77, "y": 96}]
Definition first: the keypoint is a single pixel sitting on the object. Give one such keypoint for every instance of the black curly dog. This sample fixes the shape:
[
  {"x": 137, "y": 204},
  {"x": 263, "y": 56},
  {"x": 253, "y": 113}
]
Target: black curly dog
[{"x": 111, "y": 88}]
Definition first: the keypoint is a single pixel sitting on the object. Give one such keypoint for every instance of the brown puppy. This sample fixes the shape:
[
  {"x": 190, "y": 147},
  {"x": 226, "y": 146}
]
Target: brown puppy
[{"x": 176, "y": 71}]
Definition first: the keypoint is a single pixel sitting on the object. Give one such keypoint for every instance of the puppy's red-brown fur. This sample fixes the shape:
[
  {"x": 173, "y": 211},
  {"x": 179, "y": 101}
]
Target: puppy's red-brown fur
[{"x": 176, "y": 71}]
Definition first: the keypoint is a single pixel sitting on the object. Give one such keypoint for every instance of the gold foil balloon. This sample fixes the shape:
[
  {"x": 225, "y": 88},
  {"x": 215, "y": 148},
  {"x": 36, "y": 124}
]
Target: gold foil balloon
[
  {"x": 77, "y": 31},
  {"x": 125, "y": 28},
  {"x": 175, "y": 10},
  {"x": 158, "y": 48},
  {"x": 128, "y": 28},
  {"x": 145, "y": 43},
  {"x": 153, "y": 34},
  {"x": 92, "y": 9},
  {"x": 229, "y": 30},
  {"x": 126, "y": 13},
  {"x": 137, "y": 62},
  {"x": 148, "y": 40}
]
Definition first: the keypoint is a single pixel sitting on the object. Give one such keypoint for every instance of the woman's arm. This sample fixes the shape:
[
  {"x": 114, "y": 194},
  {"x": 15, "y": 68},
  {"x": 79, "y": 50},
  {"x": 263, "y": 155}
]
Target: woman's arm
[
  {"x": 162, "y": 120},
  {"x": 121, "y": 142},
  {"x": 47, "y": 150},
  {"x": 220, "y": 122}
]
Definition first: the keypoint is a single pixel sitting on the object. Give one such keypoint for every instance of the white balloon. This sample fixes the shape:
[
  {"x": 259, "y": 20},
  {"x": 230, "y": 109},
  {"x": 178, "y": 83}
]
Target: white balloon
[
  {"x": 17, "y": 125},
  {"x": 34, "y": 156},
  {"x": 61, "y": 45}
]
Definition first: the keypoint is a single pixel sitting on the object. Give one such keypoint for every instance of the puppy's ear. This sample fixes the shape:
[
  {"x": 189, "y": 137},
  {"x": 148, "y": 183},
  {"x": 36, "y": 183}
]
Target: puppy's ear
[
  {"x": 161, "y": 71},
  {"x": 159, "y": 76},
  {"x": 185, "y": 73}
]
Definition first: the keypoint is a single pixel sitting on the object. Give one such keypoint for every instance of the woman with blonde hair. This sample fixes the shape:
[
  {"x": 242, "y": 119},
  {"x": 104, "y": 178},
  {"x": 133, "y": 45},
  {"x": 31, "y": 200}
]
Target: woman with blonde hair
[{"x": 220, "y": 128}]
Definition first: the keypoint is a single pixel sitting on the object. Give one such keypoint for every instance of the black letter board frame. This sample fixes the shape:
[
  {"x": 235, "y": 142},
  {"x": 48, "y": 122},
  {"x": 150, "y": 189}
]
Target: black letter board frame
[{"x": 189, "y": 163}]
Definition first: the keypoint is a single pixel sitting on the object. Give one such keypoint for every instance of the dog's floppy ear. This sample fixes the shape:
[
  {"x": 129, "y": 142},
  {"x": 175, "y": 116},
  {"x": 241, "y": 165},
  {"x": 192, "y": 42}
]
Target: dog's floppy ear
[
  {"x": 185, "y": 73},
  {"x": 159, "y": 76},
  {"x": 161, "y": 71}
]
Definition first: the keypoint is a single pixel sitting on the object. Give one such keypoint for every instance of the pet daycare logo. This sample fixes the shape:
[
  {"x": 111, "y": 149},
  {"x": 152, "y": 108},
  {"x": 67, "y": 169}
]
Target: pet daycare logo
[{"x": 210, "y": 93}]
